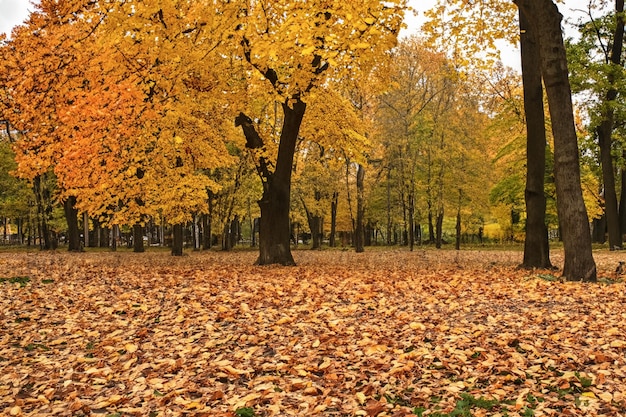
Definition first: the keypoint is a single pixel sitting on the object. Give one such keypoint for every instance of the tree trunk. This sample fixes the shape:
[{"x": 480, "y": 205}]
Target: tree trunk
[
  {"x": 73, "y": 232},
  {"x": 598, "y": 230},
  {"x": 177, "y": 240},
  {"x": 536, "y": 244},
  {"x": 359, "y": 238},
  {"x": 605, "y": 130},
  {"x": 411, "y": 221},
  {"x": 545, "y": 20},
  {"x": 206, "y": 231},
  {"x": 439, "y": 229},
  {"x": 138, "y": 246},
  {"x": 431, "y": 224},
  {"x": 622, "y": 198},
  {"x": 274, "y": 230},
  {"x": 113, "y": 233},
  {"x": 457, "y": 243},
  {"x": 333, "y": 218}
]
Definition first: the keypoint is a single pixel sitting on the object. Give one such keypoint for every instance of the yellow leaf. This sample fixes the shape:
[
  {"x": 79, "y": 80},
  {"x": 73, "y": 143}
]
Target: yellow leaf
[
  {"x": 606, "y": 396},
  {"x": 309, "y": 50},
  {"x": 588, "y": 394},
  {"x": 130, "y": 347},
  {"x": 361, "y": 397}
]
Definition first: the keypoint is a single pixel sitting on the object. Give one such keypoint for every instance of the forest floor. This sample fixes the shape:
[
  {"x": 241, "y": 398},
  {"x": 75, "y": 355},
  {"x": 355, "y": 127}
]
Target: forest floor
[{"x": 383, "y": 333}]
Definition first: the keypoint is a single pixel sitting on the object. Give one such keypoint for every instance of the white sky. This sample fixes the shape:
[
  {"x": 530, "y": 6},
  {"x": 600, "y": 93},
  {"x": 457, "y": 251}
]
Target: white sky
[{"x": 12, "y": 13}]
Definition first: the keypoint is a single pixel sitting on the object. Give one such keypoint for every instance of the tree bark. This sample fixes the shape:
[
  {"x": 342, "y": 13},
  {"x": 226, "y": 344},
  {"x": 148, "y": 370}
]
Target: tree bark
[
  {"x": 333, "y": 218},
  {"x": 274, "y": 230},
  {"x": 439, "y": 228},
  {"x": 545, "y": 20},
  {"x": 138, "y": 246},
  {"x": 605, "y": 130},
  {"x": 177, "y": 240},
  {"x": 73, "y": 232},
  {"x": 536, "y": 244},
  {"x": 359, "y": 238}
]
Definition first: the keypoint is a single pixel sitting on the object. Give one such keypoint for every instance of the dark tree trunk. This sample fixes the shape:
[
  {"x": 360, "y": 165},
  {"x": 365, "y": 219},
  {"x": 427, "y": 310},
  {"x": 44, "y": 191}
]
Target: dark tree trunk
[
  {"x": 439, "y": 229},
  {"x": 138, "y": 238},
  {"x": 315, "y": 224},
  {"x": 73, "y": 232},
  {"x": 47, "y": 240},
  {"x": 333, "y": 218},
  {"x": 536, "y": 245},
  {"x": 457, "y": 243},
  {"x": 605, "y": 130},
  {"x": 598, "y": 227},
  {"x": 545, "y": 20},
  {"x": 207, "y": 240},
  {"x": 359, "y": 238},
  {"x": 431, "y": 224},
  {"x": 274, "y": 230},
  {"x": 177, "y": 240},
  {"x": 113, "y": 232},
  {"x": 411, "y": 221},
  {"x": 389, "y": 226},
  {"x": 622, "y": 198}
]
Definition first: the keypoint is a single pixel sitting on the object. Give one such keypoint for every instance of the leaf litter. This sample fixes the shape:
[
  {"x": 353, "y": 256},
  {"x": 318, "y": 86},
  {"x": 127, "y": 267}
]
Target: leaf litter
[{"x": 384, "y": 333}]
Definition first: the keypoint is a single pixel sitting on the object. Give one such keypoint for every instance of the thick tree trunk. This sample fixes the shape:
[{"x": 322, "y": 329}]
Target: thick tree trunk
[
  {"x": 545, "y": 20},
  {"x": 177, "y": 240},
  {"x": 536, "y": 245},
  {"x": 359, "y": 238},
  {"x": 274, "y": 230},
  {"x": 138, "y": 246},
  {"x": 605, "y": 130},
  {"x": 73, "y": 232}
]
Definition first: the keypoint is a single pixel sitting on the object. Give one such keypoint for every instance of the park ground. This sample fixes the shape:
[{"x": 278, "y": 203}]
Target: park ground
[{"x": 382, "y": 333}]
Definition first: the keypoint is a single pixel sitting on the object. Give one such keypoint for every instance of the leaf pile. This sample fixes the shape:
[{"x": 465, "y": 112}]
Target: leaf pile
[{"x": 342, "y": 334}]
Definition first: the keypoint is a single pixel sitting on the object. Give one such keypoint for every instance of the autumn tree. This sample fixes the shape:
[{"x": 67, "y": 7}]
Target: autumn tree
[
  {"x": 536, "y": 245},
  {"x": 292, "y": 48},
  {"x": 596, "y": 70},
  {"x": 545, "y": 21}
]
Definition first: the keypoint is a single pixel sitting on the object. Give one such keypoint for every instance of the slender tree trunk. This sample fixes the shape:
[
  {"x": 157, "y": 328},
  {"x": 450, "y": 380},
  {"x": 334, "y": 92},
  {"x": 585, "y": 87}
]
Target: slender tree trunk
[
  {"x": 86, "y": 229},
  {"x": 457, "y": 244},
  {"x": 333, "y": 218},
  {"x": 439, "y": 229},
  {"x": 47, "y": 240},
  {"x": 411, "y": 221},
  {"x": 73, "y": 232},
  {"x": 605, "y": 130},
  {"x": 138, "y": 246},
  {"x": 389, "y": 206},
  {"x": 622, "y": 198},
  {"x": 359, "y": 238},
  {"x": 545, "y": 20},
  {"x": 113, "y": 234},
  {"x": 536, "y": 244},
  {"x": 177, "y": 240}
]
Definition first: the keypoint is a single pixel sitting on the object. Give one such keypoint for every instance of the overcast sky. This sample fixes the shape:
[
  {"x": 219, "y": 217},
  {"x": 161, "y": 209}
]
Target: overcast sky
[{"x": 13, "y": 12}]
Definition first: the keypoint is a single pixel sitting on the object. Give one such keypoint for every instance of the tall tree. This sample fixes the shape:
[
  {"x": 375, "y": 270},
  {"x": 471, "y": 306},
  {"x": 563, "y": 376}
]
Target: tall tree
[
  {"x": 536, "y": 245},
  {"x": 605, "y": 130},
  {"x": 545, "y": 21},
  {"x": 293, "y": 47}
]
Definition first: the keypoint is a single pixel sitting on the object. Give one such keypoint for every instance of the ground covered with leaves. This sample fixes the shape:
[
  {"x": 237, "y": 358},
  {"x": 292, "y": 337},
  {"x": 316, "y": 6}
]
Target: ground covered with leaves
[{"x": 384, "y": 333}]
